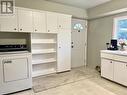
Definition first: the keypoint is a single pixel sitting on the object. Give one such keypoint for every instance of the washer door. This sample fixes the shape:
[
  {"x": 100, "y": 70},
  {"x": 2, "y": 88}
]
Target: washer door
[{"x": 15, "y": 69}]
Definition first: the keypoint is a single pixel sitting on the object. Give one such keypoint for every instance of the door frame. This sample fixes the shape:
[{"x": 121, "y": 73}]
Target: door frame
[{"x": 86, "y": 30}]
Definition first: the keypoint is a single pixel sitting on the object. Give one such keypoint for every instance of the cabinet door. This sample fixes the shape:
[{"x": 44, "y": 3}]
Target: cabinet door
[
  {"x": 25, "y": 20},
  {"x": 15, "y": 69},
  {"x": 9, "y": 23},
  {"x": 64, "y": 51},
  {"x": 39, "y": 21},
  {"x": 64, "y": 21},
  {"x": 52, "y": 22},
  {"x": 107, "y": 68},
  {"x": 120, "y": 72}
]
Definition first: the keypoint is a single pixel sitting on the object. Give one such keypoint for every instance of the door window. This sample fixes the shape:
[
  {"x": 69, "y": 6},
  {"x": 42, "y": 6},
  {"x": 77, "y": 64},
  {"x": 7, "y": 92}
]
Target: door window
[{"x": 78, "y": 27}]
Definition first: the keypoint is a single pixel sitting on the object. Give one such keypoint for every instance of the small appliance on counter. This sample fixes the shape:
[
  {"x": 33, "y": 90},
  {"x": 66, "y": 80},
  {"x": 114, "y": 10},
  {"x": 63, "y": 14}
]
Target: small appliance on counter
[{"x": 112, "y": 45}]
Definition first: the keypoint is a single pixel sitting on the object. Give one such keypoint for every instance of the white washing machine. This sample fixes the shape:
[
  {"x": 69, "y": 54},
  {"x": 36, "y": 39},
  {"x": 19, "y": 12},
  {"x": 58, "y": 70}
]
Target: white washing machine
[{"x": 15, "y": 72}]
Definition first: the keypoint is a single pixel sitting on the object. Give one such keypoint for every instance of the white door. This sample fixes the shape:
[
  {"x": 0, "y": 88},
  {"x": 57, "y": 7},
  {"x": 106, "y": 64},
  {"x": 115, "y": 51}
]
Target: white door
[
  {"x": 120, "y": 72},
  {"x": 64, "y": 51},
  {"x": 79, "y": 43},
  {"x": 9, "y": 23},
  {"x": 107, "y": 68},
  {"x": 52, "y": 22},
  {"x": 39, "y": 22},
  {"x": 64, "y": 21},
  {"x": 25, "y": 20}
]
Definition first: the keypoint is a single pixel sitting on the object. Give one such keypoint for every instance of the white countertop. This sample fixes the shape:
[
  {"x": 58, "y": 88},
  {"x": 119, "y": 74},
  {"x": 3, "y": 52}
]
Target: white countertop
[{"x": 118, "y": 52}]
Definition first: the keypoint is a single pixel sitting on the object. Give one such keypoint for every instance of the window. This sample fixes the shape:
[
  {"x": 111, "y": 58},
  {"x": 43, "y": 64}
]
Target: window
[
  {"x": 120, "y": 29},
  {"x": 78, "y": 27}
]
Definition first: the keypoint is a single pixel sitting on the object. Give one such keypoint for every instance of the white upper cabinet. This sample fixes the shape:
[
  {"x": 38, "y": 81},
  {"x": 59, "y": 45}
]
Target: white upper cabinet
[
  {"x": 28, "y": 20},
  {"x": 39, "y": 22},
  {"x": 9, "y": 23},
  {"x": 64, "y": 21},
  {"x": 25, "y": 20},
  {"x": 52, "y": 22}
]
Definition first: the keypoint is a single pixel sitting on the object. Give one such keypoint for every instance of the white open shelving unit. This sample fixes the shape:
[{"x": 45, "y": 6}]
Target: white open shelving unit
[{"x": 44, "y": 52}]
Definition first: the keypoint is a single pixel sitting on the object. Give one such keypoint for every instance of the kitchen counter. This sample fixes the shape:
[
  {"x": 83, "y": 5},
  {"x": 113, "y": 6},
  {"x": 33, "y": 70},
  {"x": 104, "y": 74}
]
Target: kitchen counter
[
  {"x": 114, "y": 66},
  {"x": 116, "y": 52}
]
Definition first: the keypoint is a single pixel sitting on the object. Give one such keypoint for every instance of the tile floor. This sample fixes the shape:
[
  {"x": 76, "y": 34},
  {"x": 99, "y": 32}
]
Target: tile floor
[
  {"x": 43, "y": 83},
  {"x": 91, "y": 86}
]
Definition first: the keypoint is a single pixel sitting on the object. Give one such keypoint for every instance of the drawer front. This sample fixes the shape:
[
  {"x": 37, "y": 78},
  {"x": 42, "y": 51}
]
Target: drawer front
[
  {"x": 107, "y": 55},
  {"x": 120, "y": 58},
  {"x": 115, "y": 57},
  {"x": 15, "y": 69}
]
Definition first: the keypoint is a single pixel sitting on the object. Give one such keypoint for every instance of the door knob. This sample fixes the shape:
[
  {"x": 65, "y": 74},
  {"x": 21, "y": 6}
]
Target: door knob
[
  {"x": 60, "y": 26},
  {"x": 72, "y": 46}
]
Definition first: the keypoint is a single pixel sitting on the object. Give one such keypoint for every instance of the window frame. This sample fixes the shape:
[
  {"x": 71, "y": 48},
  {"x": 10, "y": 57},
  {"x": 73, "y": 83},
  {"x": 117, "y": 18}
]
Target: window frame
[{"x": 115, "y": 23}]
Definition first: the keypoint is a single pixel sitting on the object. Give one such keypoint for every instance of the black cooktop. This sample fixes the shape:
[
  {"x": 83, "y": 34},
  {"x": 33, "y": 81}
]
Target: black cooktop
[{"x": 16, "y": 47}]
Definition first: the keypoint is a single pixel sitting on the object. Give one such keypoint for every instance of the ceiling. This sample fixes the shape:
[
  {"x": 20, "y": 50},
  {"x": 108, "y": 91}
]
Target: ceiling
[{"x": 85, "y": 4}]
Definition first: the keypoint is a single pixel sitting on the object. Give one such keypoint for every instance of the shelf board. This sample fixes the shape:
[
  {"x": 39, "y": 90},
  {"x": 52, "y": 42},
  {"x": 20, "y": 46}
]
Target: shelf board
[
  {"x": 34, "y": 62},
  {"x": 43, "y": 72},
  {"x": 43, "y": 41},
  {"x": 44, "y": 51}
]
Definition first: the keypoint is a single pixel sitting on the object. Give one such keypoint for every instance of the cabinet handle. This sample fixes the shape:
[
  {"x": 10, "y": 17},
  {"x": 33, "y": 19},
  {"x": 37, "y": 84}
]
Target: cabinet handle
[
  {"x": 35, "y": 29},
  {"x": 6, "y": 62},
  {"x": 20, "y": 29},
  {"x": 60, "y": 26},
  {"x": 48, "y": 30},
  {"x": 110, "y": 61},
  {"x": 15, "y": 29}
]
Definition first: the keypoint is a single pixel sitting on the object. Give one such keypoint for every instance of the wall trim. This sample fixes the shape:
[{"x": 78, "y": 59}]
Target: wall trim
[
  {"x": 79, "y": 18},
  {"x": 108, "y": 14}
]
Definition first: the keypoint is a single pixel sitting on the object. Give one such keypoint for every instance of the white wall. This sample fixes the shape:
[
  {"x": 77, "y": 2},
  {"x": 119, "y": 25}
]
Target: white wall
[
  {"x": 50, "y": 6},
  {"x": 13, "y": 38},
  {"x": 106, "y": 8},
  {"x": 100, "y": 29}
]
